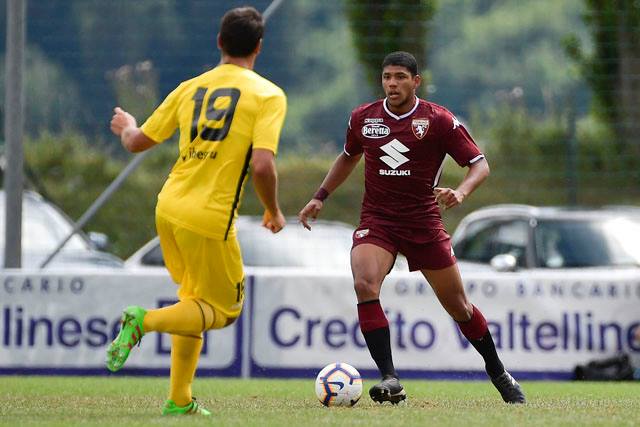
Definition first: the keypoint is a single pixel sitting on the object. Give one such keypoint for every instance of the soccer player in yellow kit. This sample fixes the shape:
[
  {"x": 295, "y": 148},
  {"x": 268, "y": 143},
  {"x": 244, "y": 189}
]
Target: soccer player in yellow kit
[{"x": 230, "y": 120}]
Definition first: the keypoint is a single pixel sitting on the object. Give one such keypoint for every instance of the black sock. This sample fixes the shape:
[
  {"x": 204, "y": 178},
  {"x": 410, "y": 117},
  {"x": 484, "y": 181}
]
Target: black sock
[
  {"x": 487, "y": 350},
  {"x": 379, "y": 343}
]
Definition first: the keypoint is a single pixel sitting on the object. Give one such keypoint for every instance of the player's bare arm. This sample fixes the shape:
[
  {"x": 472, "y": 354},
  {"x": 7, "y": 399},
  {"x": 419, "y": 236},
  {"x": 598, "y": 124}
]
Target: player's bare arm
[
  {"x": 340, "y": 170},
  {"x": 265, "y": 182},
  {"x": 448, "y": 198},
  {"x": 125, "y": 126}
]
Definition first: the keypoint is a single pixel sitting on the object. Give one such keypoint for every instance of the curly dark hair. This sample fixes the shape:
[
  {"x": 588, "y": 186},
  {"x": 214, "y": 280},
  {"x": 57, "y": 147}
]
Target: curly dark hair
[{"x": 402, "y": 59}]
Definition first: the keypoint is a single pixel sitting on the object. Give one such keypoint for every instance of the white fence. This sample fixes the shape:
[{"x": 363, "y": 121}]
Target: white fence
[{"x": 294, "y": 323}]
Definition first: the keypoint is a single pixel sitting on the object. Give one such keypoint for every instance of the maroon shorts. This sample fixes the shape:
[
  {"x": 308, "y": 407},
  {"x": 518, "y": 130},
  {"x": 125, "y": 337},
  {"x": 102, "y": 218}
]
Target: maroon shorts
[{"x": 424, "y": 249}]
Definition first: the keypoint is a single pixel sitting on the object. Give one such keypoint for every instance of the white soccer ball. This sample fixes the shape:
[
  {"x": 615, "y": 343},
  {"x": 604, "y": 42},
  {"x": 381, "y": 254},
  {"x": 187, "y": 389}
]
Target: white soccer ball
[{"x": 339, "y": 384}]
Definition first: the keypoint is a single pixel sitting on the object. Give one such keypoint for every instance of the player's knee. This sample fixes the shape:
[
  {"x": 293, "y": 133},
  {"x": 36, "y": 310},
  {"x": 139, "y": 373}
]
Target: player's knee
[
  {"x": 460, "y": 311},
  {"x": 366, "y": 288}
]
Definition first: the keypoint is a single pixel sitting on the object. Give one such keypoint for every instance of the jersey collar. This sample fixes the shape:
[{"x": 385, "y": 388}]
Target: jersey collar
[{"x": 395, "y": 116}]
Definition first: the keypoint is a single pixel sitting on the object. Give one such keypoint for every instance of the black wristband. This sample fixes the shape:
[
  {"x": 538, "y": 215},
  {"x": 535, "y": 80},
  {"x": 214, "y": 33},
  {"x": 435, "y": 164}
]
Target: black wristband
[{"x": 321, "y": 194}]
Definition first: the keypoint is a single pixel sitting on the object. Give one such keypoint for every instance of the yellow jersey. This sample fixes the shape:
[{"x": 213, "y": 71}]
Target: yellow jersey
[{"x": 222, "y": 115}]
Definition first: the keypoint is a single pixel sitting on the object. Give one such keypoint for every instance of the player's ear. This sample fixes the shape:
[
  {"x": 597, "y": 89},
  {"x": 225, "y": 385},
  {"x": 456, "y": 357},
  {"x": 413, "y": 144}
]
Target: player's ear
[
  {"x": 219, "y": 42},
  {"x": 258, "y": 47},
  {"x": 417, "y": 79}
]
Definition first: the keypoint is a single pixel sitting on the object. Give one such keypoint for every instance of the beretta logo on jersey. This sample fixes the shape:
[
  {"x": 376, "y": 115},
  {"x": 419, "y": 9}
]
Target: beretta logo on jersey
[
  {"x": 375, "y": 130},
  {"x": 420, "y": 127}
]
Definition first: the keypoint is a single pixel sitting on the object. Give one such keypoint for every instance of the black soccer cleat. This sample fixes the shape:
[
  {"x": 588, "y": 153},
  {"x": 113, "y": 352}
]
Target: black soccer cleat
[
  {"x": 509, "y": 388},
  {"x": 388, "y": 390}
]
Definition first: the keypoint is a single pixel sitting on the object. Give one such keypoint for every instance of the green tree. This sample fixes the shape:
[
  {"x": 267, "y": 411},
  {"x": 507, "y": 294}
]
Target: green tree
[
  {"x": 383, "y": 26},
  {"x": 323, "y": 84},
  {"x": 73, "y": 172},
  {"x": 487, "y": 49},
  {"x": 613, "y": 67},
  {"x": 136, "y": 88},
  {"x": 46, "y": 109},
  {"x": 114, "y": 33}
]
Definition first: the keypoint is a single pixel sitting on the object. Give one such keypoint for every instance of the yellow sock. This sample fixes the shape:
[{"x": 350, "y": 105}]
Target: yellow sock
[
  {"x": 189, "y": 317},
  {"x": 185, "y": 352}
]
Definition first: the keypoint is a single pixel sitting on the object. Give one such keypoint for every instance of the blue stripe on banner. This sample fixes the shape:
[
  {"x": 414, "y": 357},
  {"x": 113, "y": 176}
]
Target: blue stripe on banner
[
  {"x": 284, "y": 373},
  {"x": 252, "y": 294},
  {"x": 262, "y": 372},
  {"x": 102, "y": 371},
  {"x": 236, "y": 366}
]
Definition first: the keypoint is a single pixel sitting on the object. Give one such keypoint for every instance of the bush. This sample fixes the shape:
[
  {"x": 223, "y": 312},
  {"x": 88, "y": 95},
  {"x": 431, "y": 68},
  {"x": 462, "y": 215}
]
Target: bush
[{"x": 72, "y": 173}]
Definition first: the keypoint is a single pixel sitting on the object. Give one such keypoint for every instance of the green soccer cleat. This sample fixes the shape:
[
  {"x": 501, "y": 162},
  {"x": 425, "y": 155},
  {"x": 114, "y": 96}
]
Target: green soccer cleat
[
  {"x": 170, "y": 408},
  {"x": 131, "y": 333}
]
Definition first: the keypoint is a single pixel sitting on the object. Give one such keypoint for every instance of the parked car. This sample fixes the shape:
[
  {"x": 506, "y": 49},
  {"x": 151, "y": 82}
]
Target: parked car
[
  {"x": 510, "y": 237},
  {"x": 44, "y": 226},
  {"x": 326, "y": 247}
]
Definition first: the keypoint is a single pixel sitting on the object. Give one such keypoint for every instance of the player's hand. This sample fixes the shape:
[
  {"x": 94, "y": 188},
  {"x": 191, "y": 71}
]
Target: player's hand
[
  {"x": 448, "y": 198},
  {"x": 273, "y": 222},
  {"x": 310, "y": 211},
  {"x": 121, "y": 120}
]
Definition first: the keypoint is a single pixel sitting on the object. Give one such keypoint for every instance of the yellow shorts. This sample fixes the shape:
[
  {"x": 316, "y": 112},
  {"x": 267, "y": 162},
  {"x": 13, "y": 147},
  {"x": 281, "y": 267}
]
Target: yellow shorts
[{"x": 203, "y": 268}]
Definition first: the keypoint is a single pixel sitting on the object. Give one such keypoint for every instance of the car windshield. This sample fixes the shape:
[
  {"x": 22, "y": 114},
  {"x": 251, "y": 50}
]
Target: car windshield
[
  {"x": 588, "y": 243},
  {"x": 326, "y": 246},
  {"x": 43, "y": 228}
]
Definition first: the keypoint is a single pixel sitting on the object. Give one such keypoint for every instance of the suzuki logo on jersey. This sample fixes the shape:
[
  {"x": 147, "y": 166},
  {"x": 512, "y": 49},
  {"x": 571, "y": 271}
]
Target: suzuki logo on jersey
[
  {"x": 375, "y": 130},
  {"x": 420, "y": 127},
  {"x": 395, "y": 158}
]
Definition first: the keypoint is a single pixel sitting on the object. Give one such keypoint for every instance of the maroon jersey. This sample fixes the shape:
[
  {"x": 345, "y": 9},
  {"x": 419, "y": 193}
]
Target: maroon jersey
[{"x": 404, "y": 157}]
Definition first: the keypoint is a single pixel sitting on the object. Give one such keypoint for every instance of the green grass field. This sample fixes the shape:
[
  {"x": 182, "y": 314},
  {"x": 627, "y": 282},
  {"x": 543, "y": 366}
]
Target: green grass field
[{"x": 136, "y": 402}]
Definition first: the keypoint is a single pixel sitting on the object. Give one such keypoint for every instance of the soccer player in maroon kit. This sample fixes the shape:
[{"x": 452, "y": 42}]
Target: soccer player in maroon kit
[{"x": 404, "y": 140}]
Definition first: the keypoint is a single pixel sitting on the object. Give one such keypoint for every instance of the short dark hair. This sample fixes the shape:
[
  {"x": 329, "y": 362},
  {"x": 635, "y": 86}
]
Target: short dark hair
[
  {"x": 240, "y": 31},
  {"x": 402, "y": 59}
]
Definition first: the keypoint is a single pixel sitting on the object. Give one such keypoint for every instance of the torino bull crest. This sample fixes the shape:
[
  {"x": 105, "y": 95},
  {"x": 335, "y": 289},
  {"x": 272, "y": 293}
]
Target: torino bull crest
[{"x": 420, "y": 127}]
